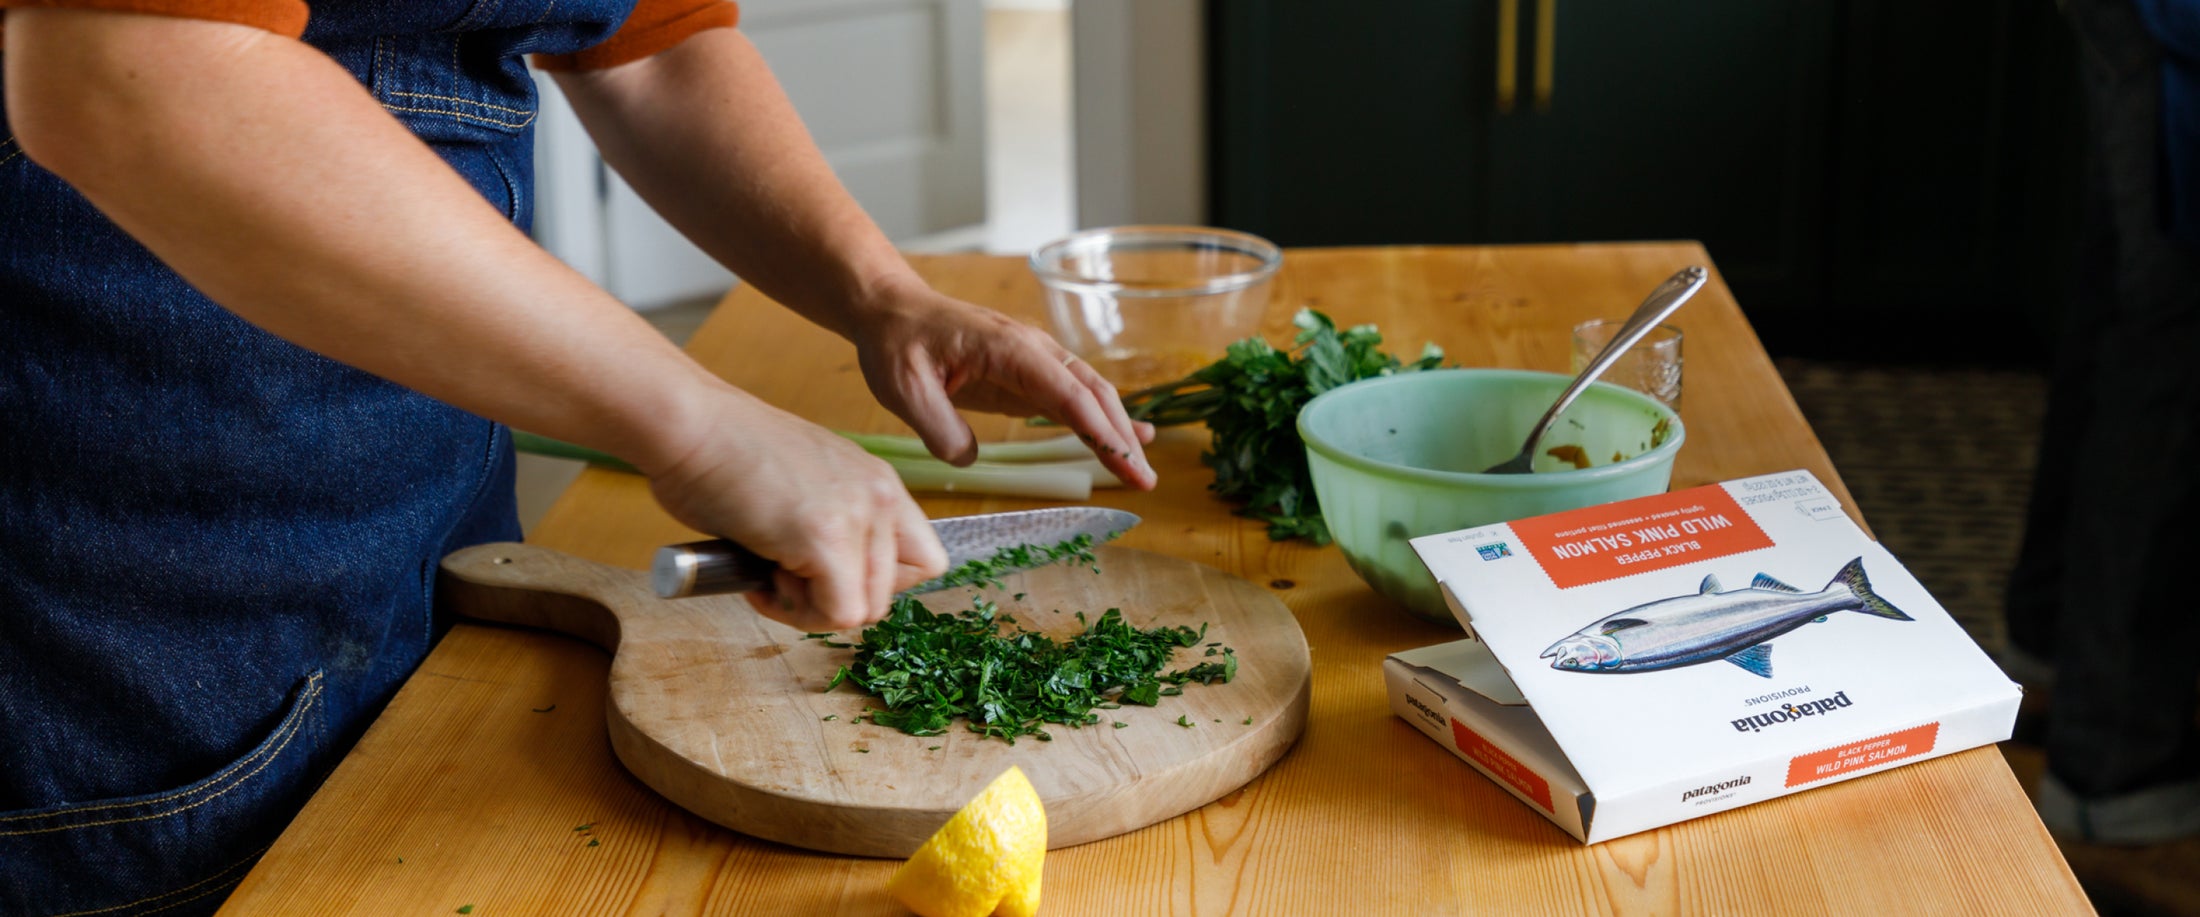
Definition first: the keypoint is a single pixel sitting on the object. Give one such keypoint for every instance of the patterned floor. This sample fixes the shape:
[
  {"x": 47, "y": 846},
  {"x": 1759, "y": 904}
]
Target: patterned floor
[{"x": 1940, "y": 461}]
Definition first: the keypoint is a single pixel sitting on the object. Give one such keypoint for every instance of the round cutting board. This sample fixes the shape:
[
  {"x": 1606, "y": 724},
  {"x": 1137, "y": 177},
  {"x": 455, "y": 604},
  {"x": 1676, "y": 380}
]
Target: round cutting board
[{"x": 724, "y": 712}]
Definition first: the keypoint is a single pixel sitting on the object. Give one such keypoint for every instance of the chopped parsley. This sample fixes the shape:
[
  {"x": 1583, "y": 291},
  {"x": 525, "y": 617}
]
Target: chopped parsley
[{"x": 930, "y": 669}]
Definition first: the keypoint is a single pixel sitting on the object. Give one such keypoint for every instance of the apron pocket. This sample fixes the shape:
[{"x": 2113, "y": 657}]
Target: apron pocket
[{"x": 172, "y": 852}]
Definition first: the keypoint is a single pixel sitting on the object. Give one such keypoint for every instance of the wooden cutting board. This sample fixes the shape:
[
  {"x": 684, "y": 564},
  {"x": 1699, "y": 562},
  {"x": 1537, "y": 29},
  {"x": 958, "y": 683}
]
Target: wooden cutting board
[{"x": 724, "y": 711}]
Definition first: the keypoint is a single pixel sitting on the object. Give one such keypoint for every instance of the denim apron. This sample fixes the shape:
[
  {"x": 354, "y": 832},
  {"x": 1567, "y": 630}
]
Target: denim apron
[{"x": 217, "y": 549}]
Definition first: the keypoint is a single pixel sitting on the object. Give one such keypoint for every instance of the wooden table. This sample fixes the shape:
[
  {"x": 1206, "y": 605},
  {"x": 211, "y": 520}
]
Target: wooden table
[{"x": 463, "y": 793}]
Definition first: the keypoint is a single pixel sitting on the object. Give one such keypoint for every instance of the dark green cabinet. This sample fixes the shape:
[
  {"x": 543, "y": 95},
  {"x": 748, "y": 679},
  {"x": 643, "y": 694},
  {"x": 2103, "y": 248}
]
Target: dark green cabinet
[{"x": 1852, "y": 166}]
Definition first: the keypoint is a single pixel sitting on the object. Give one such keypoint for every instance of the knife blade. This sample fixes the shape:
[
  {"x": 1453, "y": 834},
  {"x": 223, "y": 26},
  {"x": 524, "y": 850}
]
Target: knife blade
[{"x": 719, "y": 566}]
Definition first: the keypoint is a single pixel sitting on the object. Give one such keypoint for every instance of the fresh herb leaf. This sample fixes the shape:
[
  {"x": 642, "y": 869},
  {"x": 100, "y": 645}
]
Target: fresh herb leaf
[
  {"x": 1250, "y": 401},
  {"x": 930, "y": 669},
  {"x": 1144, "y": 694},
  {"x": 1184, "y": 721},
  {"x": 1206, "y": 673}
]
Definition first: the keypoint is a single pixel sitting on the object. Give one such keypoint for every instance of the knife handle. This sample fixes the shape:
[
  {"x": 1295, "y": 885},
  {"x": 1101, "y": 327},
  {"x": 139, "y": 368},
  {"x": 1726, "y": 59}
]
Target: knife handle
[{"x": 708, "y": 568}]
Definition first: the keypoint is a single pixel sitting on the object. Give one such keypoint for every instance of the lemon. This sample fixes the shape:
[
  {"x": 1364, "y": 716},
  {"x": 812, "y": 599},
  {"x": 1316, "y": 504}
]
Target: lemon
[{"x": 985, "y": 860}]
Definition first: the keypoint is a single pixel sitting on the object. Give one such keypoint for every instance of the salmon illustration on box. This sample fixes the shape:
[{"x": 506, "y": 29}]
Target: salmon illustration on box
[{"x": 1871, "y": 672}]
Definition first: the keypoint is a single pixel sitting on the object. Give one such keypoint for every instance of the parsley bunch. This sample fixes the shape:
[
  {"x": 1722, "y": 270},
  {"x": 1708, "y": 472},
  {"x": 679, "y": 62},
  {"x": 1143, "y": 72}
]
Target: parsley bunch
[
  {"x": 1250, "y": 400},
  {"x": 929, "y": 669}
]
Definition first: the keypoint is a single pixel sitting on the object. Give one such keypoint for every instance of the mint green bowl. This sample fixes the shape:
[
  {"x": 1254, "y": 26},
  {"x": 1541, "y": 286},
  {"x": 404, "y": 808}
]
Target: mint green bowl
[{"x": 1398, "y": 457}]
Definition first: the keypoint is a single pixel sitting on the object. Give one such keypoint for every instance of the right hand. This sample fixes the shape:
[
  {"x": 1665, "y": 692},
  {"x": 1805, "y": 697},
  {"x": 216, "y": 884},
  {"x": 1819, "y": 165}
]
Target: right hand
[{"x": 838, "y": 521}]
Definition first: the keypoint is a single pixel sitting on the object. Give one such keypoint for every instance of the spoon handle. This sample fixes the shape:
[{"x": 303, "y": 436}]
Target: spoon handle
[{"x": 1660, "y": 303}]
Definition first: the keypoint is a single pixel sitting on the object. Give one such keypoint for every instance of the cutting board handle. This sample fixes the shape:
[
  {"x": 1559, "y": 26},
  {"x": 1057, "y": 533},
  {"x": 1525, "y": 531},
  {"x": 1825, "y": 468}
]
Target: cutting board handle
[{"x": 514, "y": 583}]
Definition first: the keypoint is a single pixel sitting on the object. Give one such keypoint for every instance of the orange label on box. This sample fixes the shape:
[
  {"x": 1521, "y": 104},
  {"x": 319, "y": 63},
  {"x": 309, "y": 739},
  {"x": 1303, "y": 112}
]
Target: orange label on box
[
  {"x": 1598, "y": 543},
  {"x": 1504, "y": 767},
  {"x": 1872, "y": 752}
]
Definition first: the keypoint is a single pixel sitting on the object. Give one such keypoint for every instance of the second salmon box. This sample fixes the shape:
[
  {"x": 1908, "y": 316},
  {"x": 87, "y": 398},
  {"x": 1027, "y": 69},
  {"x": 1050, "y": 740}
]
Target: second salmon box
[{"x": 1641, "y": 663}]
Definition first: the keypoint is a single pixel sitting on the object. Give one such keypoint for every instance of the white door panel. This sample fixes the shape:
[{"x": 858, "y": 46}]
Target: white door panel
[
  {"x": 823, "y": 59},
  {"x": 892, "y": 91}
]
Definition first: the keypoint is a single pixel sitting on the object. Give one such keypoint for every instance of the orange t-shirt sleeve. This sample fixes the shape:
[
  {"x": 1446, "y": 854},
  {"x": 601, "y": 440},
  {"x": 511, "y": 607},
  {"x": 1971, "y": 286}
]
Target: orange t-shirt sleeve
[
  {"x": 283, "y": 17},
  {"x": 654, "y": 26}
]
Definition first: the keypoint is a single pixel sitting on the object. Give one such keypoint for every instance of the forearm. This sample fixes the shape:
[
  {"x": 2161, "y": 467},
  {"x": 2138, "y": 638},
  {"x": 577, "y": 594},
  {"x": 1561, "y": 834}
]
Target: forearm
[
  {"x": 705, "y": 134},
  {"x": 703, "y": 131},
  {"x": 266, "y": 176}
]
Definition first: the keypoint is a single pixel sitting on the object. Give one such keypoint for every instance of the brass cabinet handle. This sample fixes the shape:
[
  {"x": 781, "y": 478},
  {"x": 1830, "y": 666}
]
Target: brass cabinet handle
[
  {"x": 1546, "y": 46},
  {"x": 1508, "y": 53}
]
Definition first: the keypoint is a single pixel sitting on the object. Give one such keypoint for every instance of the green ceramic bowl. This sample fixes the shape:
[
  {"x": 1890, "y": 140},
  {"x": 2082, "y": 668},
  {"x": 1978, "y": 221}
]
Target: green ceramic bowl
[{"x": 1399, "y": 457}]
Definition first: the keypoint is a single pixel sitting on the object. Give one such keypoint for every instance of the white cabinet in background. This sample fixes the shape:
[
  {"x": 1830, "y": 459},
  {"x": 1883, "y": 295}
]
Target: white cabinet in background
[{"x": 891, "y": 89}]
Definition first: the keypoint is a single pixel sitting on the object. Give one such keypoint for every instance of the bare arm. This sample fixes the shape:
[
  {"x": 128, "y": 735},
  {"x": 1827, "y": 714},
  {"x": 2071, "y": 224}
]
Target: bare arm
[
  {"x": 264, "y": 174},
  {"x": 705, "y": 134}
]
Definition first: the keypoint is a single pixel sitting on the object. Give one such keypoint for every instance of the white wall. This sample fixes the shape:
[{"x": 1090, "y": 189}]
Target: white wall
[{"x": 1140, "y": 88}]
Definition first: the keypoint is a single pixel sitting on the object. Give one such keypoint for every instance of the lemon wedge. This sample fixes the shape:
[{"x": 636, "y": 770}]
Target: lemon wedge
[{"x": 985, "y": 860}]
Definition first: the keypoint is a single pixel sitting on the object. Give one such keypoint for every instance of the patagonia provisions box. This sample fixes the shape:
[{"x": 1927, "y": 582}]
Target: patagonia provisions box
[{"x": 1641, "y": 663}]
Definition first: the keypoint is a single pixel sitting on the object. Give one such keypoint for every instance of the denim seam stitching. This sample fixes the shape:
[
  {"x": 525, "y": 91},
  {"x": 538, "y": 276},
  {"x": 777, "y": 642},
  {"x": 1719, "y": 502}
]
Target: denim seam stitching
[
  {"x": 511, "y": 193},
  {"x": 224, "y": 871},
  {"x": 288, "y": 730},
  {"x": 462, "y": 116},
  {"x": 312, "y": 689},
  {"x": 481, "y": 484},
  {"x": 427, "y": 95},
  {"x": 225, "y": 887},
  {"x": 4, "y": 160}
]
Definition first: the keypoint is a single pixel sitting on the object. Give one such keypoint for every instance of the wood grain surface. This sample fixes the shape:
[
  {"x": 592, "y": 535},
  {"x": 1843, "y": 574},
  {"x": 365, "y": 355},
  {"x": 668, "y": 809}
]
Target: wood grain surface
[
  {"x": 725, "y": 712},
  {"x": 479, "y": 795}
]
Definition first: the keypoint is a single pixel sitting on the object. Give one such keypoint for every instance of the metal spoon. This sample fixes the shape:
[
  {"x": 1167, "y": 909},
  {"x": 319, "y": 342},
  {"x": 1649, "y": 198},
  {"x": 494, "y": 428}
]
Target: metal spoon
[{"x": 1661, "y": 303}]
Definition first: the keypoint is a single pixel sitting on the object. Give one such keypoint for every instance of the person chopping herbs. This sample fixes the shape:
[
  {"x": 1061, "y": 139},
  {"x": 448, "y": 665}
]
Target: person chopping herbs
[{"x": 265, "y": 299}]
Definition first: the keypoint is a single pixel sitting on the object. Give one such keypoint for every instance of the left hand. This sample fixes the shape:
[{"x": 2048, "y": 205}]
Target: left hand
[{"x": 925, "y": 354}]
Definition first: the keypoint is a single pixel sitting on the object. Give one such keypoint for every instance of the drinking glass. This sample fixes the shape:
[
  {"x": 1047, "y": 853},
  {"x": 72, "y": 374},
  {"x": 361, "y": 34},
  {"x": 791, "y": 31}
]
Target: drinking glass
[{"x": 1652, "y": 366}]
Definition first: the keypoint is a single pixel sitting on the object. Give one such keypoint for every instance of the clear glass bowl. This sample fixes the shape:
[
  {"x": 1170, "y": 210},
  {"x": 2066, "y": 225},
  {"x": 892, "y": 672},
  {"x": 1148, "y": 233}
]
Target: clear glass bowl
[{"x": 1149, "y": 304}]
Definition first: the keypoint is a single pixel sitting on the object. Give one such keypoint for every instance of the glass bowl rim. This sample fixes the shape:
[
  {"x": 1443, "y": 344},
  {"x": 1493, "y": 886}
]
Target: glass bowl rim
[{"x": 1045, "y": 259}]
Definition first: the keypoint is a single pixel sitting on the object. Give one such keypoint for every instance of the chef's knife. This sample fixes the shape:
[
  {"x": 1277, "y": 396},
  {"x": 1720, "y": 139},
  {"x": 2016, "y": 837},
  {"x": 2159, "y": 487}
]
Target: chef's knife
[{"x": 716, "y": 566}]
